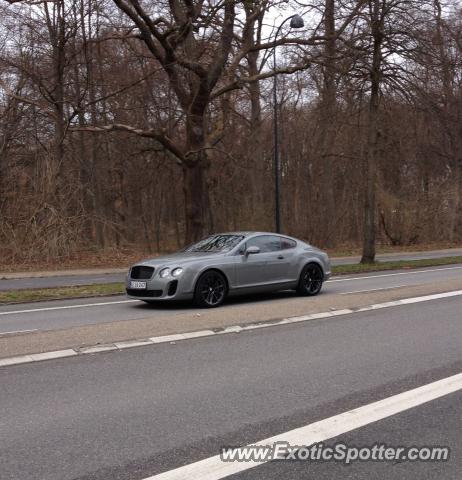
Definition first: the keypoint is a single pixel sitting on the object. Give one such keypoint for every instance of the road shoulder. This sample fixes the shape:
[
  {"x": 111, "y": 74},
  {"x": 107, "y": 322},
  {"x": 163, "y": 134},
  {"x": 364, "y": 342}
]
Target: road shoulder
[{"x": 189, "y": 321}]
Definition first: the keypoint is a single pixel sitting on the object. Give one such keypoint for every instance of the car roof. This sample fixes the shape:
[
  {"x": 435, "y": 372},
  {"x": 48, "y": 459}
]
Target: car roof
[{"x": 252, "y": 233}]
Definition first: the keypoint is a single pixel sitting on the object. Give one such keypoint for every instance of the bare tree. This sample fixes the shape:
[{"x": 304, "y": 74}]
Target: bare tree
[
  {"x": 176, "y": 95},
  {"x": 197, "y": 47},
  {"x": 389, "y": 29}
]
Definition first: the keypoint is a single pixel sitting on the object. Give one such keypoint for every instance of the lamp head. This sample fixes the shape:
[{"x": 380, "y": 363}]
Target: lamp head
[{"x": 297, "y": 22}]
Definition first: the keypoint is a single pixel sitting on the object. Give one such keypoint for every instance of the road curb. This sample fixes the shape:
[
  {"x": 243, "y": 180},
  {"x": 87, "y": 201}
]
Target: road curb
[{"x": 173, "y": 338}]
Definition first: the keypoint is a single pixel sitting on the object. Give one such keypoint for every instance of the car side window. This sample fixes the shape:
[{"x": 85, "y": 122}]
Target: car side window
[
  {"x": 266, "y": 243},
  {"x": 287, "y": 243}
]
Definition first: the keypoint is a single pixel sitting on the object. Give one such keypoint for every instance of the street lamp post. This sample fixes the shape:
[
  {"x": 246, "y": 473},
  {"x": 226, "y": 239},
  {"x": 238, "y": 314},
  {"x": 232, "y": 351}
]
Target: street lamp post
[{"x": 296, "y": 21}]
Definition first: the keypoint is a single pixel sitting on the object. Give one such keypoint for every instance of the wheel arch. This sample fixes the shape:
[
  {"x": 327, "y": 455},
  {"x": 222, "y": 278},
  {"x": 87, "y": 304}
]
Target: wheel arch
[
  {"x": 211, "y": 269},
  {"x": 309, "y": 261}
]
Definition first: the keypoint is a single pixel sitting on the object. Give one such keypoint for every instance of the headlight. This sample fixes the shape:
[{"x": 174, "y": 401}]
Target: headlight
[
  {"x": 164, "y": 272},
  {"x": 177, "y": 272}
]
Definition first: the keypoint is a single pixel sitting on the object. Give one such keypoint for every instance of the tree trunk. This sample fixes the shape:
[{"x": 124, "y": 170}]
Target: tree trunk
[
  {"x": 195, "y": 167},
  {"x": 328, "y": 125},
  {"x": 454, "y": 214},
  {"x": 255, "y": 96},
  {"x": 369, "y": 233},
  {"x": 369, "y": 226},
  {"x": 196, "y": 200},
  {"x": 56, "y": 24},
  {"x": 251, "y": 37},
  {"x": 58, "y": 141}
]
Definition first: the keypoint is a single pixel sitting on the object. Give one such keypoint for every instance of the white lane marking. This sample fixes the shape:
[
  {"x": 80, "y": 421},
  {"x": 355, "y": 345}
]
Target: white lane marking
[
  {"x": 18, "y": 331},
  {"x": 37, "y": 357},
  {"x": 132, "y": 343},
  {"x": 214, "y": 469},
  {"x": 168, "y": 338},
  {"x": 98, "y": 348},
  {"x": 231, "y": 329},
  {"x": 373, "y": 289},
  {"x": 4, "y": 362},
  {"x": 415, "y": 272},
  {"x": 65, "y": 307}
]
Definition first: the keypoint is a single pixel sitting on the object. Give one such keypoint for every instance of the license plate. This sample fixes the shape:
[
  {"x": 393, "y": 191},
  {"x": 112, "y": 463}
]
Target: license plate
[{"x": 139, "y": 285}]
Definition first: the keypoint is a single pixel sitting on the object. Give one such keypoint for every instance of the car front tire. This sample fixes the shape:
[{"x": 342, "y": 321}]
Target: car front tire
[
  {"x": 211, "y": 289},
  {"x": 311, "y": 279}
]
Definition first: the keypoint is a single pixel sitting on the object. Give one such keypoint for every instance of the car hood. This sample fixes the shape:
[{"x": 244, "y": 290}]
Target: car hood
[{"x": 180, "y": 258}]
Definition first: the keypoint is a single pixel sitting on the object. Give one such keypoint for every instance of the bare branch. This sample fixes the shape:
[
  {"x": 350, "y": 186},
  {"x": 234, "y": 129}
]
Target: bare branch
[{"x": 160, "y": 136}]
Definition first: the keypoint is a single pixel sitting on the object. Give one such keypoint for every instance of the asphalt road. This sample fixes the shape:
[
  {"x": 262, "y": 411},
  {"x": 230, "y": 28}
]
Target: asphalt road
[
  {"x": 61, "y": 314},
  {"x": 101, "y": 278},
  {"x": 430, "y": 424},
  {"x": 131, "y": 414}
]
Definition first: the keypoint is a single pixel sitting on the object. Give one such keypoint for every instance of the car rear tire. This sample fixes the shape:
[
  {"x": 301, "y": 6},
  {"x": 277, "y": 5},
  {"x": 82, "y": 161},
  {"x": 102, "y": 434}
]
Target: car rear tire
[
  {"x": 211, "y": 289},
  {"x": 310, "y": 282}
]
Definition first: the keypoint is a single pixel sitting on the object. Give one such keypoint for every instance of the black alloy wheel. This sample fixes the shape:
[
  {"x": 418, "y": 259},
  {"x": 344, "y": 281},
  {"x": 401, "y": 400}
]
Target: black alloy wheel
[
  {"x": 311, "y": 279},
  {"x": 210, "y": 289}
]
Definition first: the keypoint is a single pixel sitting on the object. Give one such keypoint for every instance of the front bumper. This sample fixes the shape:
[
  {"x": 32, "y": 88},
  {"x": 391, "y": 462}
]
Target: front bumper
[{"x": 157, "y": 288}]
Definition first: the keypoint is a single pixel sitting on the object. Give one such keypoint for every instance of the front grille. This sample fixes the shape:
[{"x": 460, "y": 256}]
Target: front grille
[
  {"x": 133, "y": 292},
  {"x": 141, "y": 272}
]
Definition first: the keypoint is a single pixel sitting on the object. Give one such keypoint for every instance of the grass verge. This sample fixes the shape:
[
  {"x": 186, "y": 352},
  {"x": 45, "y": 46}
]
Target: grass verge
[
  {"x": 394, "y": 265},
  {"x": 57, "y": 293},
  {"x": 23, "y": 296}
]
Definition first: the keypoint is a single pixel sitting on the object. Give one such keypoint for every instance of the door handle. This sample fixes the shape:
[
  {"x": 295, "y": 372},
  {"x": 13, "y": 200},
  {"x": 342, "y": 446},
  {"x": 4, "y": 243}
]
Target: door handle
[{"x": 280, "y": 257}]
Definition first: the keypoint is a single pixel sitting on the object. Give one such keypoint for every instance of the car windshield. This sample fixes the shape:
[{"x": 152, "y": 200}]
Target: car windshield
[{"x": 215, "y": 243}]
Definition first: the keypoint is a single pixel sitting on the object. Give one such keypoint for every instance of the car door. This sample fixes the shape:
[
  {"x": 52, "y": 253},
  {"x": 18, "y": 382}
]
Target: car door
[
  {"x": 288, "y": 266},
  {"x": 279, "y": 259},
  {"x": 250, "y": 269},
  {"x": 259, "y": 268}
]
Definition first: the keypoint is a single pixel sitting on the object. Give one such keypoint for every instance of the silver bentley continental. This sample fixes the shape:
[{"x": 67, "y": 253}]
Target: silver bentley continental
[{"x": 228, "y": 264}]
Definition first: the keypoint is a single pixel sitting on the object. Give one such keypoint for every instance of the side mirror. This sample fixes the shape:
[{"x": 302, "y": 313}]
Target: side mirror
[{"x": 252, "y": 250}]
